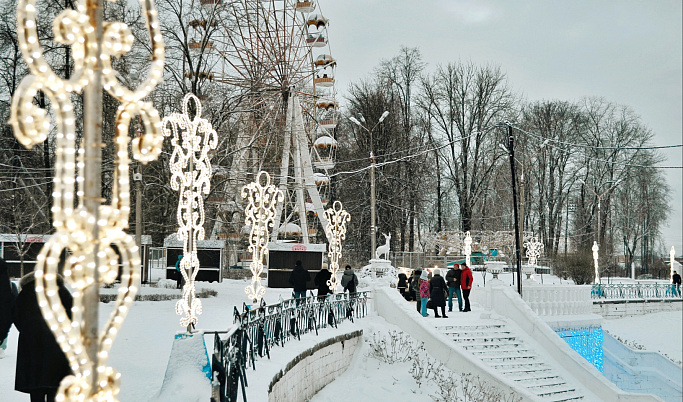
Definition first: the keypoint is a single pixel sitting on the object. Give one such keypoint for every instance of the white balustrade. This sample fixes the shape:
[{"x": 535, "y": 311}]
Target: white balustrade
[{"x": 556, "y": 300}]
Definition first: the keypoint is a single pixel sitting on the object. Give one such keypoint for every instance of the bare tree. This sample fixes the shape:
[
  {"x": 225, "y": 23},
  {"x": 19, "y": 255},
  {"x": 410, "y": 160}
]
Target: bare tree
[
  {"x": 465, "y": 103},
  {"x": 402, "y": 73},
  {"x": 551, "y": 171}
]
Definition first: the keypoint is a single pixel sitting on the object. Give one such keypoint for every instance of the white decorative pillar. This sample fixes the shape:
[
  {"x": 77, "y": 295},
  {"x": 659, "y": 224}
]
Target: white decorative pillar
[
  {"x": 672, "y": 260},
  {"x": 468, "y": 248},
  {"x": 595, "y": 249},
  {"x": 336, "y": 232},
  {"x": 192, "y": 139},
  {"x": 259, "y": 215}
]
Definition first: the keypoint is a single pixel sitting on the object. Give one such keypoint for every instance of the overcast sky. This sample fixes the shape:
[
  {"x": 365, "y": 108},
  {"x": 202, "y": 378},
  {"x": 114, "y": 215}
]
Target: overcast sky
[{"x": 628, "y": 52}]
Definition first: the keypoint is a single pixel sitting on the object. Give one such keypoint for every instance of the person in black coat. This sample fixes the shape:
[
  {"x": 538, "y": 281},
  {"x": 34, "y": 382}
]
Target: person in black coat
[
  {"x": 437, "y": 292},
  {"x": 298, "y": 279},
  {"x": 321, "y": 282},
  {"x": 415, "y": 288},
  {"x": 7, "y": 297},
  {"x": 403, "y": 284},
  {"x": 41, "y": 364},
  {"x": 453, "y": 282}
]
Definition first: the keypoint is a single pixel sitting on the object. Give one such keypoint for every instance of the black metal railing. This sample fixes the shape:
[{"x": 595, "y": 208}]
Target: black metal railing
[
  {"x": 640, "y": 291},
  {"x": 256, "y": 331}
]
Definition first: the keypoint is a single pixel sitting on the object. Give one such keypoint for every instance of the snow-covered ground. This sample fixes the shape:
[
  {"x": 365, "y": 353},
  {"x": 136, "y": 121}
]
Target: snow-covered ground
[
  {"x": 662, "y": 334},
  {"x": 143, "y": 346}
]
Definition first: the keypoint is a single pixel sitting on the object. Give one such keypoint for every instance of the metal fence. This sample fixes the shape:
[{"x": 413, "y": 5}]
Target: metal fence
[
  {"x": 641, "y": 291},
  {"x": 256, "y": 331}
]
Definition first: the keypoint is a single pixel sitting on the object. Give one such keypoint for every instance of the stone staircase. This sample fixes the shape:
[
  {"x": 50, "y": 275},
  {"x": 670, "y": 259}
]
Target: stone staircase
[{"x": 497, "y": 346}]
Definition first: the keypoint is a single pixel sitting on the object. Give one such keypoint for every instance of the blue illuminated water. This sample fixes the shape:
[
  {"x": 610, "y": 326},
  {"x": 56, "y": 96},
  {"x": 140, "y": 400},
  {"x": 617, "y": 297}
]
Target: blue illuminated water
[{"x": 587, "y": 342}]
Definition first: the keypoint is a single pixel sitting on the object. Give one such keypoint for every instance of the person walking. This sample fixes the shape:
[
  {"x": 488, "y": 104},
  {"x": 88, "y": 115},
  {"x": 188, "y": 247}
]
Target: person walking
[
  {"x": 424, "y": 292},
  {"x": 677, "y": 284},
  {"x": 466, "y": 280},
  {"x": 41, "y": 364},
  {"x": 402, "y": 284},
  {"x": 415, "y": 288},
  {"x": 8, "y": 294},
  {"x": 349, "y": 280},
  {"x": 453, "y": 281},
  {"x": 437, "y": 291},
  {"x": 321, "y": 282},
  {"x": 178, "y": 274},
  {"x": 298, "y": 279}
]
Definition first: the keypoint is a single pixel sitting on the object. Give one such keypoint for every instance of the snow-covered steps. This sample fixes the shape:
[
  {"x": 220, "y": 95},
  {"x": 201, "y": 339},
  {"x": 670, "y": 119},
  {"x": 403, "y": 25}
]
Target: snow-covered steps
[{"x": 497, "y": 346}]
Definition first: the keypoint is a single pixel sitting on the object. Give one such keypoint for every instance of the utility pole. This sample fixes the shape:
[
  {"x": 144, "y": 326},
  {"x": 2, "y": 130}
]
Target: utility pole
[
  {"x": 137, "y": 178},
  {"x": 373, "y": 228},
  {"x": 518, "y": 249}
]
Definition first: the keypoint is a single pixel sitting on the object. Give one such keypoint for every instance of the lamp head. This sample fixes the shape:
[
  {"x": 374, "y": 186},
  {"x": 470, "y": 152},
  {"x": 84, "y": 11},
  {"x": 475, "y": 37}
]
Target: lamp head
[
  {"x": 354, "y": 120},
  {"x": 384, "y": 116}
]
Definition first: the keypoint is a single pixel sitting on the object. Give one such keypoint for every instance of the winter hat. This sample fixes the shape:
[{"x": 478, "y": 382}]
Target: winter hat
[
  {"x": 436, "y": 271},
  {"x": 424, "y": 275},
  {"x": 456, "y": 266}
]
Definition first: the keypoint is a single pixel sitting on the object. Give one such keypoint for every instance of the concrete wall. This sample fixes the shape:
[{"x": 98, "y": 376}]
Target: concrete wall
[
  {"x": 640, "y": 371},
  {"x": 311, "y": 370},
  {"x": 392, "y": 307},
  {"x": 507, "y": 302},
  {"x": 612, "y": 310}
]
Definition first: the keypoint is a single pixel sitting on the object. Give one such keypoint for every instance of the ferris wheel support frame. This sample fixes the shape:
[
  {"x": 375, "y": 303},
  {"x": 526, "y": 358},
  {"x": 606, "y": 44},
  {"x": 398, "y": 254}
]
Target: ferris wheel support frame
[{"x": 303, "y": 171}]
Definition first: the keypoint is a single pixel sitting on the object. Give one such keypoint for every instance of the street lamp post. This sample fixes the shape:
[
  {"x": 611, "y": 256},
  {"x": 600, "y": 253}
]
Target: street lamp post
[{"x": 373, "y": 229}]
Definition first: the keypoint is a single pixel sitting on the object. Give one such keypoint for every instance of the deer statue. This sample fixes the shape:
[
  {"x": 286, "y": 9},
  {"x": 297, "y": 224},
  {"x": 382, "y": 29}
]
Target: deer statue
[{"x": 384, "y": 249}]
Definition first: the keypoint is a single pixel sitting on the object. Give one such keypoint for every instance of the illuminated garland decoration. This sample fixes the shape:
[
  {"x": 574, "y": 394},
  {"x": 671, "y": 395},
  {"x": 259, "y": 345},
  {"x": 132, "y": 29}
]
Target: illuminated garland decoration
[
  {"x": 191, "y": 177},
  {"x": 336, "y": 232},
  {"x": 259, "y": 214},
  {"x": 75, "y": 225}
]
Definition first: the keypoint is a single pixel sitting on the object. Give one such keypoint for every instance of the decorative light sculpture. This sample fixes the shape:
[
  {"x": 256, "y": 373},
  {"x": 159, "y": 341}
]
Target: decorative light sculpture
[
  {"x": 192, "y": 139},
  {"x": 533, "y": 251},
  {"x": 468, "y": 248},
  {"x": 260, "y": 215},
  {"x": 83, "y": 225},
  {"x": 595, "y": 249},
  {"x": 336, "y": 232}
]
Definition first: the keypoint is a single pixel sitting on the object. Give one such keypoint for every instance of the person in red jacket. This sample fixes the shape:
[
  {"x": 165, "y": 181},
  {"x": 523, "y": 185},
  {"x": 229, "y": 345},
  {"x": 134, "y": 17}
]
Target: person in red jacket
[{"x": 466, "y": 280}]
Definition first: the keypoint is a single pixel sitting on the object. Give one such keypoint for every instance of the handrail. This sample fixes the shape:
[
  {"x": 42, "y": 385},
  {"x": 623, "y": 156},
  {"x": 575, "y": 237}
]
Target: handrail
[
  {"x": 258, "y": 328},
  {"x": 640, "y": 291}
]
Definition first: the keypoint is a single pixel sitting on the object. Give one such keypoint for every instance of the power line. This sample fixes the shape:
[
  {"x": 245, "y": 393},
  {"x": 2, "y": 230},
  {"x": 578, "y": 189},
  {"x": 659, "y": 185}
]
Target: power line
[{"x": 566, "y": 150}]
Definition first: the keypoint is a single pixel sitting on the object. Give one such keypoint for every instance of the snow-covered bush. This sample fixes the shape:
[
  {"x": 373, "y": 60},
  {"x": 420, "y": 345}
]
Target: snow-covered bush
[
  {"x": 398, "y": 347},
  {"x": 167, "y": 283}
]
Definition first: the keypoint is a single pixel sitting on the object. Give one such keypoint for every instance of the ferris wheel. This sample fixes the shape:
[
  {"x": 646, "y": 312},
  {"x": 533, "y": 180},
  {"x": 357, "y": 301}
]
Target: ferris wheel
[{"x": 277, "y": 54}]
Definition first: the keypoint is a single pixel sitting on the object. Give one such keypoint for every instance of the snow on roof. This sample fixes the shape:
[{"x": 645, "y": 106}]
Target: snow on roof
[
  {"x": 325, "y": 141},
  {"x": 172, "y": 242},
  {"x": 290, "y": 228}
]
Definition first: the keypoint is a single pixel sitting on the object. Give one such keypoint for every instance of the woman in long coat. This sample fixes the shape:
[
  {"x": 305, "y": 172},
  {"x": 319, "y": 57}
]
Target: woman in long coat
[
  {"x": 321, "y": 282},
  {"x": 41, "y": 364},
  {"x": 437, "y": 292},
  {"x": 7, "y": 297}
]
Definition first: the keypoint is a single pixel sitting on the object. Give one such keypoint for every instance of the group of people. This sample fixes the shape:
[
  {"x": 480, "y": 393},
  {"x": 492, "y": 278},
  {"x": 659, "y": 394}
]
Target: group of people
[
  {"x": 431, "y": 290},
  {"x": 41, "y": 364},
  {"x": 300, "y": 277}
]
